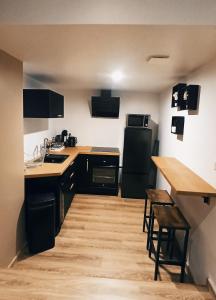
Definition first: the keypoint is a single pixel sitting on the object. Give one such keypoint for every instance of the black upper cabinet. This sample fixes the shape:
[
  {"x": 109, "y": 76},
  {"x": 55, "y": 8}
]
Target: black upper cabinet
[
  {"x": 42, "y": 104},
  {"x": 178, "y": 95}
]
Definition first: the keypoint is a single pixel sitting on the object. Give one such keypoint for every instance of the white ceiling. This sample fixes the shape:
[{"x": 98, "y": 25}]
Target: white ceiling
[
  {"x": 50, "y": 37},
  {"x": 84, "y": 56},
  {"x": 156, "y": 12}
]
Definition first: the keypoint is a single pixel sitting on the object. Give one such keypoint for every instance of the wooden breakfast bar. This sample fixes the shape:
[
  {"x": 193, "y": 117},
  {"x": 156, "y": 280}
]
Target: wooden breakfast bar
[{"x": 182, "y": 179}]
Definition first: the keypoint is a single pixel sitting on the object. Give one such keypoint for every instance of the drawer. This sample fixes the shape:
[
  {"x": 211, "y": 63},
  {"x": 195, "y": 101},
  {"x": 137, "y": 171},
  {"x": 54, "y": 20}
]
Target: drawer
[
  {"x": 69, "y": 172},
  {"x": 71, "y": 187},
  {"x": 104, "y": 160},
  {"x": 68, "y": 178}
]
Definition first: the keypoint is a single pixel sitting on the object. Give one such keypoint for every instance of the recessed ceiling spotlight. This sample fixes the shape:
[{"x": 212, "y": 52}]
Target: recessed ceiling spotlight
[
  {"x": 157, "y": 59},
  {"x": 117, "y": 76}
]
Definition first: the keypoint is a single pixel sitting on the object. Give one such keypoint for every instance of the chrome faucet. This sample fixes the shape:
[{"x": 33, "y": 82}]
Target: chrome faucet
[
  {"x": 35, "y": 152},
  {"x": 45, "y": 145}
]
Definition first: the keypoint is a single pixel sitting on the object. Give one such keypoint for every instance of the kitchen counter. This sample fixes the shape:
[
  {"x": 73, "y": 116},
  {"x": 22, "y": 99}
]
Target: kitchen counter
[{"x": 55, "y": 169}]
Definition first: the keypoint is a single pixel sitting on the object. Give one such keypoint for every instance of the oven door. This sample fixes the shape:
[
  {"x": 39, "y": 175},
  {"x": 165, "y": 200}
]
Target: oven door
[{"x": 103, "y": 172}]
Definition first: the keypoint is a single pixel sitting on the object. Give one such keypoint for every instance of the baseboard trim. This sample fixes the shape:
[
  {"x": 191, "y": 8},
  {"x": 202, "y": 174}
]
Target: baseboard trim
[
  {"x": 211, "y": 287},
  {"x": 16, "y": 257},
  {"x": 188, "y": 271}
]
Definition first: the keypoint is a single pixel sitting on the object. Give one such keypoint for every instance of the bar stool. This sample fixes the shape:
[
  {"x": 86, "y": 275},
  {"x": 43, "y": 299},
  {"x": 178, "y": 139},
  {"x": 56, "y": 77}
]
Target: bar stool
[
  {"x": 155, "y": 196},
  {"x": 168, "y": 218}
]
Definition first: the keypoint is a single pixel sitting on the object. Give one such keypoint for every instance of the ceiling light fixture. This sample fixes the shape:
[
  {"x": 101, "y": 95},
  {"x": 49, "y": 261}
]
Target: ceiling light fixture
[{"x": 117, "y": 76}]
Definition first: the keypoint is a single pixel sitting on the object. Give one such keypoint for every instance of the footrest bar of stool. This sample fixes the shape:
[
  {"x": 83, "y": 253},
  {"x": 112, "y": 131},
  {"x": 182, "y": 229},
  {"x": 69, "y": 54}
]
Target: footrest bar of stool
[{"x": 170, "y": 262}]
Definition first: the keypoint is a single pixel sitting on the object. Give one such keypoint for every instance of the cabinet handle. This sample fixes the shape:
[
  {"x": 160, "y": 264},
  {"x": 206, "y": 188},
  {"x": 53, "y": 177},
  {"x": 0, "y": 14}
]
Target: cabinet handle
[
  {"x": 72, "y": 185},
  {"x": 59, "y": 115},
  {"x": 87, "y": 165},
  {"x": 110, "y": 166},
  {"x": 72, "y": 163},
  {"x": 72, "y": 174}
]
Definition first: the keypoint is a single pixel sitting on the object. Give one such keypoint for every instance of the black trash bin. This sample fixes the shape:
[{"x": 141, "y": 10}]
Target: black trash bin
[{"x": 40, "y": 223}]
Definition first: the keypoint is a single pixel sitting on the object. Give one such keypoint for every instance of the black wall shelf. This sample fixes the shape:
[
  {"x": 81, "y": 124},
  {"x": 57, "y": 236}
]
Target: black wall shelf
[
  {"x": 177, "y": 126},
  {"x": 185, "y": 96},
  {"x": 193, "y": 93},
  {"x": 178, "y": 94}
]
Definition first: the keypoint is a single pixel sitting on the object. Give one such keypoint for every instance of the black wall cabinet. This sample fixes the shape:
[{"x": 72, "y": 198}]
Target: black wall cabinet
[
  {"x": 177, "y": 125},
  {"x": 42, "y": 104}
]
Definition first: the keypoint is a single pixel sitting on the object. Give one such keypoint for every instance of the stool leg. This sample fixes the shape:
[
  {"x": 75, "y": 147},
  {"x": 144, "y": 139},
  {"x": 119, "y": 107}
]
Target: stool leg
[
  {"x": 149, "y": 229},
  {"x": 157, "y": 254},
  {"x": 172, "y": 243},
  {"x": 169, "y": 233},
  {"x": 144, "y": 218},
  {"x": 184, "y": 256},
  {"x": 150, "y": 232}
]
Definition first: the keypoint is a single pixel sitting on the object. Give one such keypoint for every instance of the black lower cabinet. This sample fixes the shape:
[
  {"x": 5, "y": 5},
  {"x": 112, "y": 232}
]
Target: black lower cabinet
[
  {"x": 134, "y": 185},
  {"x": 93, "y": 174},
  {"x": 68, "y": 183},
  {"x": 45, "y": 185},
  {"x": 82, "y": 174},
  {"x": 63, "y": 187},
  {"x": 40, "y": 221},
  {"x": 97, "y": 174}
]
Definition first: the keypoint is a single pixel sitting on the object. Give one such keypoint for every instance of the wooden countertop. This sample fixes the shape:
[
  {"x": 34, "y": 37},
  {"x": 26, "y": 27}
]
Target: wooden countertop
[
  {"x": 182, "y": 179},
  {"x": 53, "y": 169}
]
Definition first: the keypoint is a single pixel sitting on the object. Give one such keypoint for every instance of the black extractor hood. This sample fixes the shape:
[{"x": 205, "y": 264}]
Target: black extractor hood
[{"x": 105, "y": 105}]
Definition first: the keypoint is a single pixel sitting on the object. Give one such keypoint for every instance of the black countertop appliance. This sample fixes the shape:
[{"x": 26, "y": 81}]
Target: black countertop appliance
[
  {"x": 136, "y": 162},
  {"x": 71, "y": 141}
]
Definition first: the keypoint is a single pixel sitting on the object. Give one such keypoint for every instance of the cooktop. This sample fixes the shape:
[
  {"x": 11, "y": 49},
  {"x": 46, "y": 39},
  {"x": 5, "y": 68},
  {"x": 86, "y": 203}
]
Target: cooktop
[{"x": 104, "y": 149}]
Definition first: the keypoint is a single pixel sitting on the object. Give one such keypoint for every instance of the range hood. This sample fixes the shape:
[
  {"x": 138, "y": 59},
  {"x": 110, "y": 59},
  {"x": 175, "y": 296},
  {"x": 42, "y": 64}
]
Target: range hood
[{"x": 105, "y": 105}]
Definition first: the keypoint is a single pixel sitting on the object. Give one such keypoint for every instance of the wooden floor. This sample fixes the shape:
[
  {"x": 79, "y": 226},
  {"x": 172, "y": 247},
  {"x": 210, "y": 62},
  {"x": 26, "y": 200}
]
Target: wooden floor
[{"x": 99, "y": 254}]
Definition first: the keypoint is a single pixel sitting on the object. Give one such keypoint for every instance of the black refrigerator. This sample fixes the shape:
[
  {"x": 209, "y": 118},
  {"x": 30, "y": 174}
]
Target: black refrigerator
[{"x": 136, "y": 162}]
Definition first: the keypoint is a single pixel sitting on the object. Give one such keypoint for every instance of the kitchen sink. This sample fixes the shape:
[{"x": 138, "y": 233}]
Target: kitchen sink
[{"x": 55, "y": 158}]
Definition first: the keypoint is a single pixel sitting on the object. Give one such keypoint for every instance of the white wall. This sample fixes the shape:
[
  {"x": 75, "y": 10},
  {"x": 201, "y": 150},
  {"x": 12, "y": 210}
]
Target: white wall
[
  {"x": 12, "y": 235},
  {"x": 198, "y": 151},
  {"x": 35, "y": 130},
  {"x": 102, "y": 131}
]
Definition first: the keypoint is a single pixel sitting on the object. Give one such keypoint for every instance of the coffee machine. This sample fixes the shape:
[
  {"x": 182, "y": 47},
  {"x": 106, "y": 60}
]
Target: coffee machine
[
  {"x": 71, "y": 141},
  {"x": 66, "y": 139}
]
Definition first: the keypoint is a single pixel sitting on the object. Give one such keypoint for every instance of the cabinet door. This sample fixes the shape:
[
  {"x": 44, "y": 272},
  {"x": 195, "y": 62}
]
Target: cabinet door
[
  {"x": 35, "y": 103},
  {"x": 56, "y": 105},
  {"x": 82, "y": 177}
]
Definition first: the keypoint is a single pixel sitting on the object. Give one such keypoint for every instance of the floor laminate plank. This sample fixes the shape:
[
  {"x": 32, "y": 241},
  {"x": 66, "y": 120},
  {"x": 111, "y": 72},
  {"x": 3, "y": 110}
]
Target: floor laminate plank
[{"x": 100, "y": 254}]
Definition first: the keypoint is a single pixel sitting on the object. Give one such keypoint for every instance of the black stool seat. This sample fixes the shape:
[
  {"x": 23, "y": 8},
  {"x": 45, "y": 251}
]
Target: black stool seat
[
  {"x": 155, "y": 196},
  {"x": 170, "y": 219}
]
